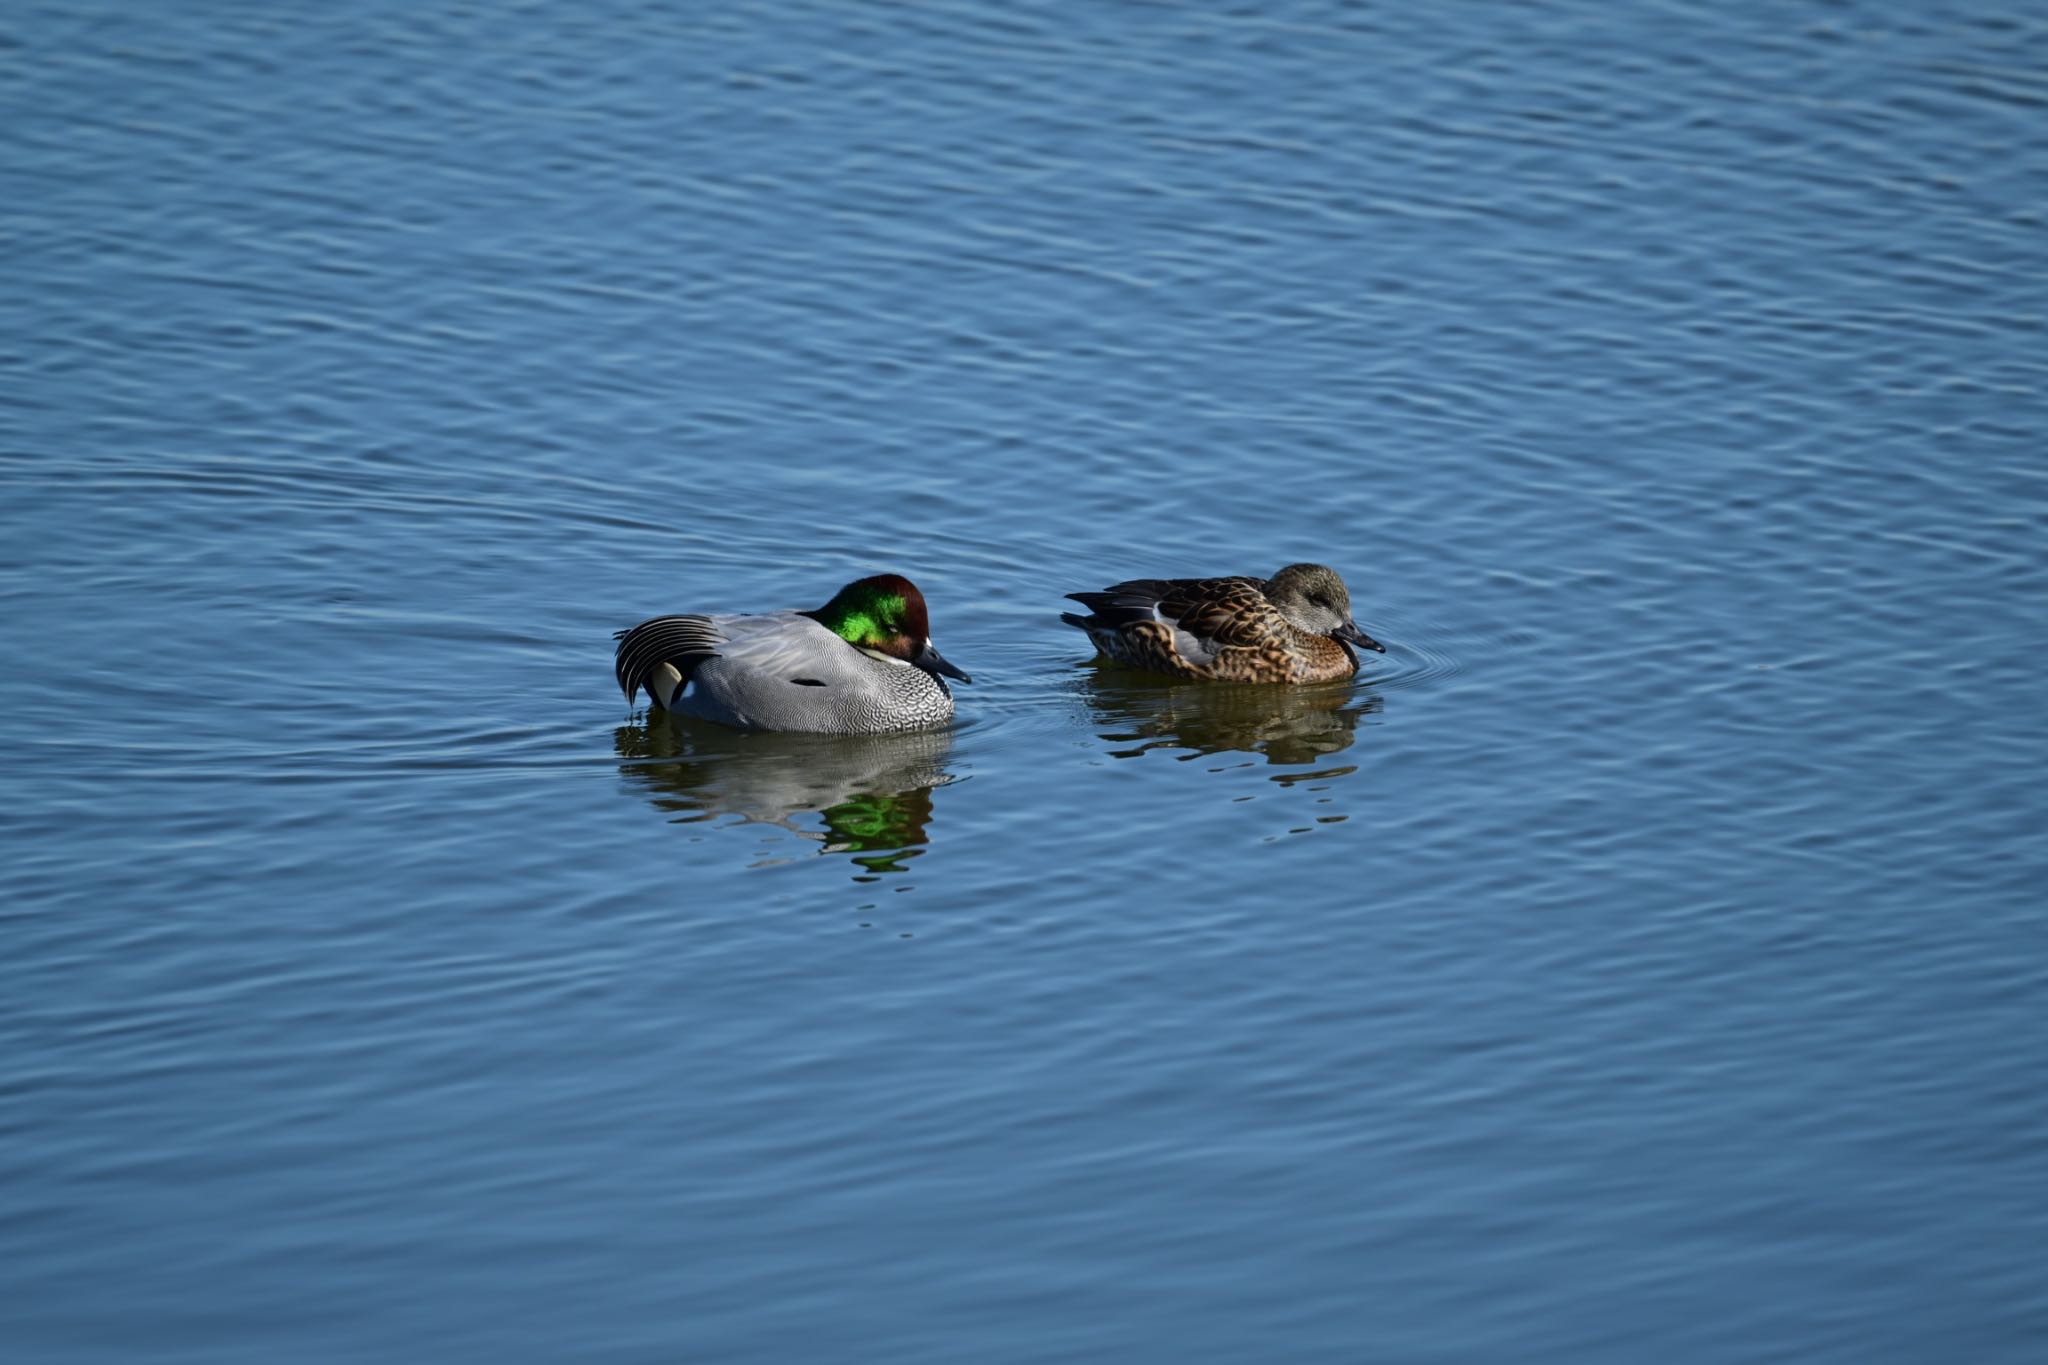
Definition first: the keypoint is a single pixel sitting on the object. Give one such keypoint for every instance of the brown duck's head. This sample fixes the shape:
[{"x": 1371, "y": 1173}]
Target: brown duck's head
[
  {"x": 885, "y": 615},
  {"x": 1314, "y": 598}
]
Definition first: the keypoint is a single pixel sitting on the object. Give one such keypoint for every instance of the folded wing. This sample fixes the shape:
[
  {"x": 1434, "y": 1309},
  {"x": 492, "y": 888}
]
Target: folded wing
[{"x": 1204, "y": 614}]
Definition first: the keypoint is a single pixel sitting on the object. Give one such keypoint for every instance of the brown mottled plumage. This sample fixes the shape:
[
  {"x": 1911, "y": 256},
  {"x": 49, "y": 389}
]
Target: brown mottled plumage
[{"x": 1295, "y": 627}]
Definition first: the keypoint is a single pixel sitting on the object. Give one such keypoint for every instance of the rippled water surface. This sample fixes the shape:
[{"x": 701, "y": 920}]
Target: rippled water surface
[{"x": 1644, "y": 959}]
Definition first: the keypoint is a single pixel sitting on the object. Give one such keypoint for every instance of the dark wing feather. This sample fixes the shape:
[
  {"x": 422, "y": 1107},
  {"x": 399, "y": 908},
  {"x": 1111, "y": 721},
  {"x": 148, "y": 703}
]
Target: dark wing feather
[
  {"x": 683, "y": 641},
  {"x": 1122, "y": 604},
  {"x": 1221, "y": 609},
  {"x": 1223, "y": 612}
]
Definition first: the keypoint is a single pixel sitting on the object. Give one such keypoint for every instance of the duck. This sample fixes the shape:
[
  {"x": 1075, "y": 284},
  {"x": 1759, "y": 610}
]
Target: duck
[
  {"x": 1294, "y": 627},
  {"x": 862, "y": 664}
]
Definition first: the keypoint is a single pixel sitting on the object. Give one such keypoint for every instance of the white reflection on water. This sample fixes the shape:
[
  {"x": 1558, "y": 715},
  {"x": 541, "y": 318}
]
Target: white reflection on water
[{"x": 873, "y": 793}]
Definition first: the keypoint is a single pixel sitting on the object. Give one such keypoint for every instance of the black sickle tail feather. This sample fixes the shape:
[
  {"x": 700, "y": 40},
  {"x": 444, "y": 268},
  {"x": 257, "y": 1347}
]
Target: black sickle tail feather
[{"x": 682, "y": 642}]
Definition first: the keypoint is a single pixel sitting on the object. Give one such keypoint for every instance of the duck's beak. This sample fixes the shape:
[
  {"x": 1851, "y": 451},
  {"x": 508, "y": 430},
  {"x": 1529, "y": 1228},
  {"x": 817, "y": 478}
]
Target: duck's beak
[
  {"x": 931, "y": 661},
  {"x": 1351, "y": 634}
]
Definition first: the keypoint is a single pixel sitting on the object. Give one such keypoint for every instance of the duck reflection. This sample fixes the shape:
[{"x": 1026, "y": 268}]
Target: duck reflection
[
  {"x": 1290, "y": 726},
  {"x": 873, "y": 792}
]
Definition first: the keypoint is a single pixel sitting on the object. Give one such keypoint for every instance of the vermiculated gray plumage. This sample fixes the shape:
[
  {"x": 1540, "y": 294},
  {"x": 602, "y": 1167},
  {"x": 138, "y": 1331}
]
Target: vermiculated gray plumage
[{"x": 777, "y": 670}]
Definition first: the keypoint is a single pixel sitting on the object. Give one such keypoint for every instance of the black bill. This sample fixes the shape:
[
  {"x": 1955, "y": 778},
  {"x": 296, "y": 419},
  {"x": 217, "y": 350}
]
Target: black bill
[
  {"x": 1350, "y": 634},
  {"x": 931, "y": 661}
]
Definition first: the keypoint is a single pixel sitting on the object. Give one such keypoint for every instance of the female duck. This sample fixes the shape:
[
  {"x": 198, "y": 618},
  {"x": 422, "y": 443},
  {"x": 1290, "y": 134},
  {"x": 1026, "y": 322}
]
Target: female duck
[
  {"x": 862, "y": 664},
  {"x": 1294, "y": 627}
]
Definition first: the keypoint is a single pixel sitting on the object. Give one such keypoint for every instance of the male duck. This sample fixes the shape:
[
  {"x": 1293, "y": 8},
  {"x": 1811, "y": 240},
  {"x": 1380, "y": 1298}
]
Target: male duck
[
  {"x": 1294, "y": 627},
  {"x": 862, "y": 664}
]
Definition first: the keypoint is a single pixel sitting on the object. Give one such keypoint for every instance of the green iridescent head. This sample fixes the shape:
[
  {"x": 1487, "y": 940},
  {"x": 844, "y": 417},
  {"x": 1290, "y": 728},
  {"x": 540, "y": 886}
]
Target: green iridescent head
[{"x": 885, "y": 615}]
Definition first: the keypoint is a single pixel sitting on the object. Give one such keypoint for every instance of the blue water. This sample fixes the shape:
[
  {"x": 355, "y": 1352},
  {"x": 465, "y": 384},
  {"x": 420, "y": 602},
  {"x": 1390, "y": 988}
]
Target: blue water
[{"x": 1645, "y": 959}]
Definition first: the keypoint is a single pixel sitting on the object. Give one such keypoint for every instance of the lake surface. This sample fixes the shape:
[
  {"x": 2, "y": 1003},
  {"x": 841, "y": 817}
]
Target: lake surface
[{"x": 1645, "y": 959}]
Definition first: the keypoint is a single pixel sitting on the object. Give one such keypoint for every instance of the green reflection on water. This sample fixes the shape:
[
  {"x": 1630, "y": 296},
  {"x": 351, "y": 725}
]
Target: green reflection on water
[{"x": 872, "y": 793}]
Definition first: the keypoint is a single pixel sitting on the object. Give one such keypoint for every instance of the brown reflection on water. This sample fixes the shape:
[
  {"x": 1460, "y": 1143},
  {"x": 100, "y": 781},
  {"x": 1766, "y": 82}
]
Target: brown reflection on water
[{"x": 1287, "y": 726}]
